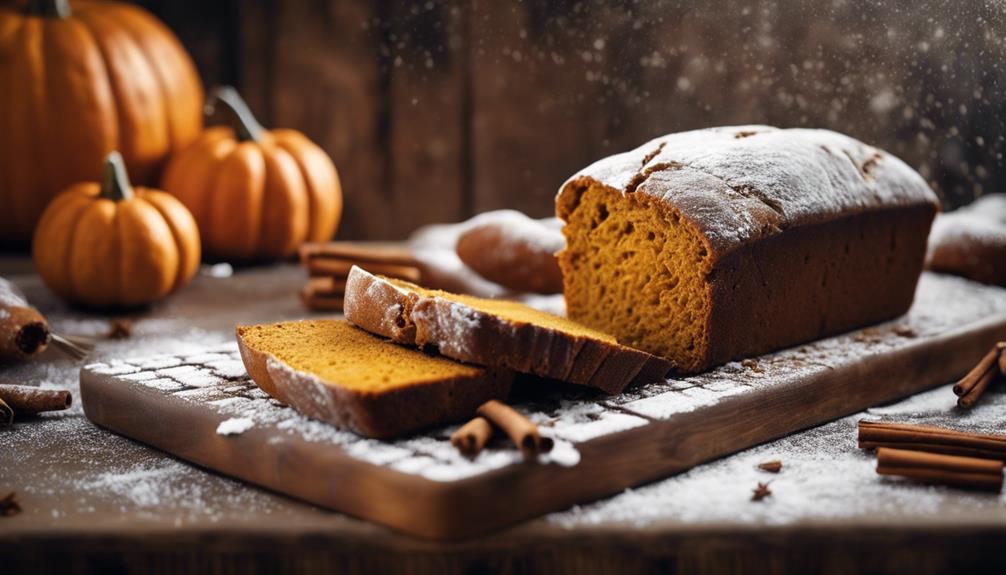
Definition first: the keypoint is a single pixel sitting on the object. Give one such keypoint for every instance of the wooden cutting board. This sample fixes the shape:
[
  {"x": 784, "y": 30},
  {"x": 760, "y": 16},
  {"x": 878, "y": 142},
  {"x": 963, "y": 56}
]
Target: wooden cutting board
[{"x": 422, "y": 486}]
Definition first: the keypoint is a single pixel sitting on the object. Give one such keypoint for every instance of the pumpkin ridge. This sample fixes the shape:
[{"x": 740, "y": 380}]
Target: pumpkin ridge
[
  {"x": 29, "y": 122},
  {"x": 129, "y": 19},
  {"x": 85, "y": 199},
  {"x": 324, "y": 208},
  {"x": 140, "y": 142},
  {"x": 281, "y": 235},
  {"x": 159, "y": 201}
]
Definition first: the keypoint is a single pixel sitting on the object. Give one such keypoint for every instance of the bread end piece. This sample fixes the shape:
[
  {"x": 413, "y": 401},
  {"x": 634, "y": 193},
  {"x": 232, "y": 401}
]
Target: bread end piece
[{"x": 379, "y": 307}]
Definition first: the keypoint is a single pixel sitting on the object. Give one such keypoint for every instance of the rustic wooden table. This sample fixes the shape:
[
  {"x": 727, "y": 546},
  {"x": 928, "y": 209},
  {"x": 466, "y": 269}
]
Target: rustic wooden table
[{"x": 96, "y": 502}]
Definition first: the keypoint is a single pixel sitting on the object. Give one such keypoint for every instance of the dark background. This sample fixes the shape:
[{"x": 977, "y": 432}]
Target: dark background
[{"x": 437, "y": 110}]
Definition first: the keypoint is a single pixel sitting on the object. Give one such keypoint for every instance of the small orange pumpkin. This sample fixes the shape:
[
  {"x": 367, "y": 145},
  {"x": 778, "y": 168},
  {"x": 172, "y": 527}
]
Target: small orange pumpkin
[
  {"x": 256, "y": 194},
  {"x": 112, "y": 245}
]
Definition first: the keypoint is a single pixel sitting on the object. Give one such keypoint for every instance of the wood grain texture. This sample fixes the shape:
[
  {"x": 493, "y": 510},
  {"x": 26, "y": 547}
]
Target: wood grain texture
[
  {"x": 421, "y": 486},
  {"x": 436, "y": 111}
]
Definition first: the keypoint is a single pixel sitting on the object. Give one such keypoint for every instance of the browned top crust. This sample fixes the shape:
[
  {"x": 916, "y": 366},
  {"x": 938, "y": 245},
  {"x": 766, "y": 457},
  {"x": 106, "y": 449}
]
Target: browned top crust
[{"x": 741, "y": 184}]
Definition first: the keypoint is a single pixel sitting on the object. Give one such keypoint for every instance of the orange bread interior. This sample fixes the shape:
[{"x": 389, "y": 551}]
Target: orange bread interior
[
  {"x": 339, "y": 353},
  {"x": 512, "y": 311},
  {"x": 638, "y": 270}
]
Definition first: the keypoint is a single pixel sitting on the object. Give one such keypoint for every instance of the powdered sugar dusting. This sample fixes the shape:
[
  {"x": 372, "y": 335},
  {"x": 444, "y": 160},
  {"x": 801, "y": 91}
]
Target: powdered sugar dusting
[
  {"x": 67, "y": 470},
  {"x": 784, "y": 178},
  {"x": 234, "y": 425}
]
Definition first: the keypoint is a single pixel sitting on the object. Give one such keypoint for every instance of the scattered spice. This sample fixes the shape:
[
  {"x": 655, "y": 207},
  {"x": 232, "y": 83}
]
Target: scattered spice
[
  {"x": 971, "y": 387},
  {"x": 760, "y": 492},
  {"x": 120, "y": 328},
  {"x": 773, "y": 466},
  {"x": 9, "y": 505},
  {"x": 905, "y": 331},
  {"x": 752, "y": 365}
]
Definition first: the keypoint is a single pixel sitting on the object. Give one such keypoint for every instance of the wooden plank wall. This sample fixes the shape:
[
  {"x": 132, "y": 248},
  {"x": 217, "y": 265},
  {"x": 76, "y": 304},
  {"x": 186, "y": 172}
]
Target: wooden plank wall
[{"x": 437, "y": 110}]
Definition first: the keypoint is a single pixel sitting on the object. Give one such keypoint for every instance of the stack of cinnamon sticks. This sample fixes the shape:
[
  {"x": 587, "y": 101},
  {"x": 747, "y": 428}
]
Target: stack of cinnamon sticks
[
  {"x": 936, "y": 455},
  {"x": 991, "y": 367},
  {"x": 328, "y": 266},
  {"x": 473, "y": 436}
]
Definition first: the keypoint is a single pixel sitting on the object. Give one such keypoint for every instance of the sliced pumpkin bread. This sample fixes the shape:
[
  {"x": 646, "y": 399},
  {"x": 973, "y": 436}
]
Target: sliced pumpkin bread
[
  {"x": 332, "y": 371},
  {"x": 496, "y": 333}
]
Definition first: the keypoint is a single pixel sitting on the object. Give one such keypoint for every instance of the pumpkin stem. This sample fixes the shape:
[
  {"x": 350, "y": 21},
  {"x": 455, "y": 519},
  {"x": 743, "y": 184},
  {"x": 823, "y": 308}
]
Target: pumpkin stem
[
  {"x": 115, "y": 186},
  {"x": 48, "y": 8},
  {"x": 241, "y": 118}
]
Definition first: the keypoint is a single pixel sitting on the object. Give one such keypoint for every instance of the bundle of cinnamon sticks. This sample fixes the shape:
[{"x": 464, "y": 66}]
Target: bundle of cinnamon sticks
[
  {"x": 328, "y": 266},
  {"x": 991, "y": 367},
  {"x": 936, "y": 455},
  {"x": 473, "y": 436}
]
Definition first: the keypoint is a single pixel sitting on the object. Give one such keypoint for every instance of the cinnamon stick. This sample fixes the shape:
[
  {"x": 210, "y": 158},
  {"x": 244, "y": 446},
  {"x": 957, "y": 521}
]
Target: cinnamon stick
[
  {"x": 518, "y": 428},
  {"x": 472, "y": 436},
  {"x": 324, "y": 266},
  {"x": 358, "y": 252},
  {"x": 1002, "y": 363},
  {"x": 969, "y": 381},
  {"x": 24, "y": 333},
  {"x": 971, "y": 397},
  {"x": 971, "y": 472},
  {"x": 28, "y": 399},
  {"x": 875, "y": 434}
]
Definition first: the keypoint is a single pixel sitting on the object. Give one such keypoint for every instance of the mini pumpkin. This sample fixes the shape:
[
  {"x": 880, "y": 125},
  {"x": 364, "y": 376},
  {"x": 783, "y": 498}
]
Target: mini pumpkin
[
  {"x": 256, "y": 194},
  {"x": 76, "y": 83},
  {"x": 111, "y": 245}
]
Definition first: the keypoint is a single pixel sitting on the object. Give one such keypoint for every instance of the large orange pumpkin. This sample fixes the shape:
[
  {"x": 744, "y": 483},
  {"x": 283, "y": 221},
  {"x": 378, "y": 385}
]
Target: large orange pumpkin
[
  {"x": 77, "y": 84},
  {"x": 112, "y": 245},
  {"x": 256, "y": 194}
]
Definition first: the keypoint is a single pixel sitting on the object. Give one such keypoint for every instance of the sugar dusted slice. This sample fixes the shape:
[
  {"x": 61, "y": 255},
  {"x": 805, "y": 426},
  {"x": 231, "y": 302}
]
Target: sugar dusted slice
[{"x": 332, "y": 371}]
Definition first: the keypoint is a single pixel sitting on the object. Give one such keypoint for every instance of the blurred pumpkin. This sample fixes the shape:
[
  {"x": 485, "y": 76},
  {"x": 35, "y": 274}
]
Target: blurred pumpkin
[
  {"x": 256, "y": 194},
  {"x": 77, "y": 84},
  {"x": 112, "y": 245}
]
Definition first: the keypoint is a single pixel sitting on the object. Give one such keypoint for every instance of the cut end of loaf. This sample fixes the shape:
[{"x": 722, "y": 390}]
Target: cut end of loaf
[{"x": 637, "y": 270}]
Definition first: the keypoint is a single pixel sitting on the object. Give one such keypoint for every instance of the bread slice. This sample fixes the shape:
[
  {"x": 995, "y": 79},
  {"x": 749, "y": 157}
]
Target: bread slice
[
  {"x": 496, "y": 333},
  {"x": 332, "y": 371}
]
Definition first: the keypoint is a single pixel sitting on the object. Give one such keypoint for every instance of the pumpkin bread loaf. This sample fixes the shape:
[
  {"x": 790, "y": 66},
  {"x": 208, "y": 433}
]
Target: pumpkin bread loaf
[
  {"x": 716, "y": 244},
  {"x": 332, "y": 371},
  {"x": 497, "y": 333}
]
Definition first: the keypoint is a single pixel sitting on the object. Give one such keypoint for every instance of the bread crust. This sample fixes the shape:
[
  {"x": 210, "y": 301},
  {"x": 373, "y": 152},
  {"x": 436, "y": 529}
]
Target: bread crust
[
  {"x": 380, "y": 415},
  {"x": 466, "y": 334}
]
